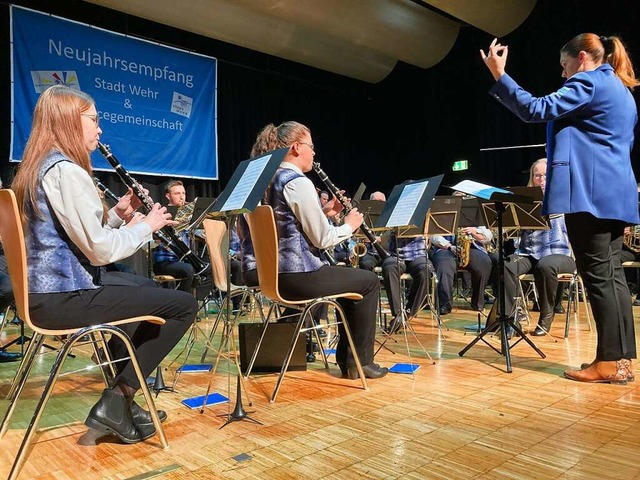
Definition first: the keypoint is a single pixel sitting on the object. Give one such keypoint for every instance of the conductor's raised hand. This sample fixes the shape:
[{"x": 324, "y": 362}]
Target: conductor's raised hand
[
  {"x": 158, "y": 217},
  {"x": 354, "y": 219},
  {"x": 496, "y": 58}
]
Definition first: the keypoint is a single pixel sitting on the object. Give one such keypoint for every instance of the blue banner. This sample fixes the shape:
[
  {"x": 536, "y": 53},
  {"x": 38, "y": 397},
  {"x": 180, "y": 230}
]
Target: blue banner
[{"x": 157, "y": 104}]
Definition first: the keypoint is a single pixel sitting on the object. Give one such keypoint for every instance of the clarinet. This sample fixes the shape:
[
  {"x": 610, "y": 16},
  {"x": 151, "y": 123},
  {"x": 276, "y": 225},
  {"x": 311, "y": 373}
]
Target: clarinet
[
  {"x": 166, "y": 235},
  {"x": 375, "y": 242},
  {"x": 105, "y": 190}
]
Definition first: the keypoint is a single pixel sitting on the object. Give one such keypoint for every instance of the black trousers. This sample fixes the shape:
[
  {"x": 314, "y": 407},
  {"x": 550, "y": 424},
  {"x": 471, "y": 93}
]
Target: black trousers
[
  {"x": 113, "y": 302},
  {"x": 392, "y": 269},
  {"x": 181, "y": 270},
  {"x": 597, "y": 244},
  {"x": 361, "y": 314},
  {"x": 6, "y": 290},
  {"x": 545, "y": 273},
  {"x": 446, "y": 264}
]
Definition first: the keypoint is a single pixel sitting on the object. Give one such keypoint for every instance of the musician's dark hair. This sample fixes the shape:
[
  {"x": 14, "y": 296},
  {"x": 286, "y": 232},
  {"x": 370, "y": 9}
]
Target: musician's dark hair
[
  {"x": 272, "y": 137},
  {"x": 604, "y": 49},
  {"x": 57, "y": 125},
  {"x": 172, "y": 183}
]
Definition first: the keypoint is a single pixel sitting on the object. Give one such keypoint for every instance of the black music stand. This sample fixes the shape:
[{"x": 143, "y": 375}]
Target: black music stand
[
  {"x": 241, "y": 195},
  {"x": 442, "y": 219},
  {"x": 502, "y": 199},
  {"x": 407, "y": 207}
]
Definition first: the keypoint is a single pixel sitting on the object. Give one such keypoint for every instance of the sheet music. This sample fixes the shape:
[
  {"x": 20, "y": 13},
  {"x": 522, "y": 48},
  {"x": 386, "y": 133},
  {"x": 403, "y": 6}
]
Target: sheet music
[
  {"x": 477, "y": 189},
  {"x": 243, "y": 189},
  {"x": 406, "y": 205}
]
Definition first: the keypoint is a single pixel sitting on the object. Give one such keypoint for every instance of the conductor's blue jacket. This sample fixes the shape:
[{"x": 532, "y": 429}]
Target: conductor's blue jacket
[{"x": 589, "y": 140}]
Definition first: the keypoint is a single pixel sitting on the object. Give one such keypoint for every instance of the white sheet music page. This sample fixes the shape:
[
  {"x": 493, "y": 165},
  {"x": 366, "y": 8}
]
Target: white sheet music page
[
  {"x": 239, "y": 196},
  {"x": 407, "y": 204},
  {"x": 477, "y": 189}
]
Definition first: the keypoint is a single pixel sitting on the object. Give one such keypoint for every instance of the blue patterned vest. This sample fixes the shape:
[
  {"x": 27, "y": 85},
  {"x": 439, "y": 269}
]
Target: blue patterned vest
[
  {"x": 412, "y": 248},
  {"x": 54, "y": 262},
  {"x": 246, "y": 246},
  {"x": 295, "y": 252}
]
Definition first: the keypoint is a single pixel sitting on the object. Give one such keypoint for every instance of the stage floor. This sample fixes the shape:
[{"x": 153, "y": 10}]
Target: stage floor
[{"x": 457, "y": 418}]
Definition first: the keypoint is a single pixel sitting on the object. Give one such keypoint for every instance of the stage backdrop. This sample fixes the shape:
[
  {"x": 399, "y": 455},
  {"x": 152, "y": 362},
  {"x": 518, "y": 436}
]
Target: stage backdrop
[{"x": 157, "y": 105}]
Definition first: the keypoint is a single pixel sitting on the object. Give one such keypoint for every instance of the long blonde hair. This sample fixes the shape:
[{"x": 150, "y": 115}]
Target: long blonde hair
[
  {"x": 533, "y": 167},
  {"x": 272, "y": 137},
  {"x": 57, "y": 125}
]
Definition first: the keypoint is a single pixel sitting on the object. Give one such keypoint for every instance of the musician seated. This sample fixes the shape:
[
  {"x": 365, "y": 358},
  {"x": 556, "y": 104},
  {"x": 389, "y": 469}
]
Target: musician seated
[
  {"x": 165, "y": 262},
  {"x": 445, "y": 260},
  {"x": 408, "y": 255},
  {"x": 628, "y": 255},
  {"x": 545, "y": 253},
  {"x": 303, "y": 230}
]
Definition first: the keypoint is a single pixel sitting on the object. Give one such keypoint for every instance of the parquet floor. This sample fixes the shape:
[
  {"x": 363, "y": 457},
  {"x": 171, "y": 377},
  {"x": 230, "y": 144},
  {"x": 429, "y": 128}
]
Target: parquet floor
[{"x": 459, "y": 418}]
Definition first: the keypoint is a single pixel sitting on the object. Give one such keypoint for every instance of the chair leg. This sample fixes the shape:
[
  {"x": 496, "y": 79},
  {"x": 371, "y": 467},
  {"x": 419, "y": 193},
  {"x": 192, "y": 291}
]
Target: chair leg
[
  {"x": 143, "y": 383},
  {"x": 287, "y": 359},
  {"x": 24, "y": 449},
  {"x": 36, "y": 342},
  {"x": 257, "y": 347},
  {"x": 570, "y": 304},
  {"x": 20, "y": 379}
]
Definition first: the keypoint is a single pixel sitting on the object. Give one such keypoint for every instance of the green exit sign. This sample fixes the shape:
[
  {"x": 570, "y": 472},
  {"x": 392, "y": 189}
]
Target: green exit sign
[{"x": 460, "y": 165}]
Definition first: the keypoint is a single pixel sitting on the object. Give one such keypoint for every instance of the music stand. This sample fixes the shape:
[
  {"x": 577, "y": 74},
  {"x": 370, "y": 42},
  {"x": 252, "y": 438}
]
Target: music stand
[
  {"x": 407, "y": 206},
  {"x": 502, "y": 199},
  {"x": 241, "y": 195}
]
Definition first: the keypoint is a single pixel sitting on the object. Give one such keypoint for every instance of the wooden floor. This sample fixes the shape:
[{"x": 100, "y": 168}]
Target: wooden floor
[{"x": 459, "y": 418}]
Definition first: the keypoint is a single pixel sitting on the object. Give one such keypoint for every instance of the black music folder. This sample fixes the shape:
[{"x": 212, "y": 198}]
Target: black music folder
[{"x": 408, "y": 204}]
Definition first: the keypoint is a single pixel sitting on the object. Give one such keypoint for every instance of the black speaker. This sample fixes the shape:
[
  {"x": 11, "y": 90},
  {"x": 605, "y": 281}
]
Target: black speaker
[{"x": 273, "y": 349}]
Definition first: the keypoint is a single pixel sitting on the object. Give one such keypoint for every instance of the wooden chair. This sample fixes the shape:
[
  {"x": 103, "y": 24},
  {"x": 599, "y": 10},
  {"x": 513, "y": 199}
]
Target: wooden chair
[
  {"x": 14, "y": 246},
  {"x": 215, "y": 231},
  {"x": 575, "y": 287},
  {"x": 265, "y": 243}
]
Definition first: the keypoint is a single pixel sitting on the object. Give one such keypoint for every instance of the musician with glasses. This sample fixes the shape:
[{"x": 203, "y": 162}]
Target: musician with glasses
[
  {"x": 66, "y": 242},
  {"x": 303, "y": 230},
  {"x": 545, "y": 254}
]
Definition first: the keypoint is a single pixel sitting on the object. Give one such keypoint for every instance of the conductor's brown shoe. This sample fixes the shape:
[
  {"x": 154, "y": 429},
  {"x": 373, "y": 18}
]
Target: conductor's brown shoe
[
  {"x": 615, "y": 371},
  {"x": 630, "y": 376}
]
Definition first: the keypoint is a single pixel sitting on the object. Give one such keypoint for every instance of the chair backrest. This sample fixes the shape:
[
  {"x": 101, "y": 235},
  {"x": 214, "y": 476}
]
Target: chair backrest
[
  {"x": 264, "y": 237},
  {"x": 214, "y": 231},
  {"x": 15, "y": 251}
]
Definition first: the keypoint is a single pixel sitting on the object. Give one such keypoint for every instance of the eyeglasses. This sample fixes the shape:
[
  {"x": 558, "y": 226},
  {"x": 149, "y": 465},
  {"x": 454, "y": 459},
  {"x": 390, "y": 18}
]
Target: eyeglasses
[
  {"x": 95, "y": 118},
  {"x": 539, "y": 175},
  {"x": 310, "y": 145}
]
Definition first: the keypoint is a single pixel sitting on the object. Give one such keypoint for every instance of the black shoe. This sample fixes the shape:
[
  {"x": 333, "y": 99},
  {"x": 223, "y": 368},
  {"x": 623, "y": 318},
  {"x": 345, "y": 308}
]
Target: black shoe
[
  {"x": 636, "y": 302},
  {"x": 322, "y": 333},
  {"x": 538, "y": 332},
  {"x": 112, "y": 414},
  {"x": 559, "y": 309},
  {"x": 445, "y": 310},
  {"x": 395, "y": 325},
  {"x": 372, "y": 370},
  {"x": 6, "y": 357},
  {"x": 142, "y": 417}
]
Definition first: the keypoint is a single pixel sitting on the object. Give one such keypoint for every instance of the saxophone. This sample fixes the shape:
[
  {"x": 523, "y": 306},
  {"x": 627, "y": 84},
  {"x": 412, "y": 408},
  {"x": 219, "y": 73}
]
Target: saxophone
[
  {"x": 183, "y": 216},
  {"x": 464, "y": 241}
]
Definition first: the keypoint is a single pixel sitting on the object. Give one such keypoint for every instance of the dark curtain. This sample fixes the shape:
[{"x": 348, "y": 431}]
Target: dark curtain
[{"x": 413, "y": 124}]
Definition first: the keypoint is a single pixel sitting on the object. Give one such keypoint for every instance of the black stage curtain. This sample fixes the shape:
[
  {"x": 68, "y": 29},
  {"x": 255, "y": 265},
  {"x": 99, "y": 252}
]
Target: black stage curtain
[{"x": 413, "y": 124}]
